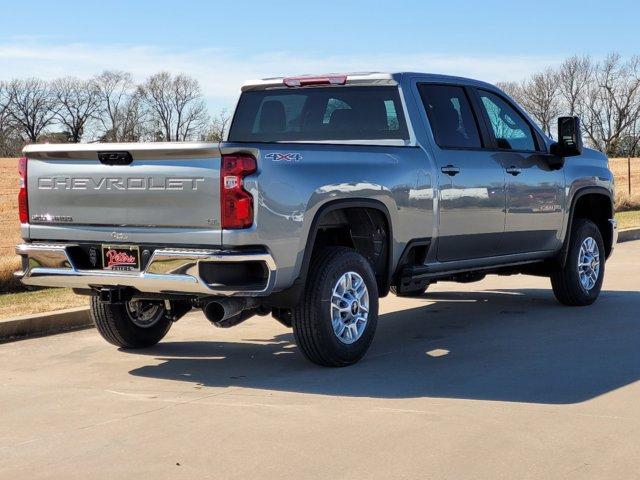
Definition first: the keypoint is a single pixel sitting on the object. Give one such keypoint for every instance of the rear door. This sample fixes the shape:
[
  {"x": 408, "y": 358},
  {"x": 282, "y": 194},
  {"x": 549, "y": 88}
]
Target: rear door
[
  {"x": 535, "y": 192},
  {"x": 471, "y": 181}
]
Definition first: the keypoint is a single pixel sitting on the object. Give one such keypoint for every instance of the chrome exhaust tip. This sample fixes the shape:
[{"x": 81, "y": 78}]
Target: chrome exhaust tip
[{"x": 229, "y": 312}]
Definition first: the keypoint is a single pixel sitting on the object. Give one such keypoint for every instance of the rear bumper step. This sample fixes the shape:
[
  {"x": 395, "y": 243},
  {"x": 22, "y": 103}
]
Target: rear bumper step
[{"x": 167, "y": 271}]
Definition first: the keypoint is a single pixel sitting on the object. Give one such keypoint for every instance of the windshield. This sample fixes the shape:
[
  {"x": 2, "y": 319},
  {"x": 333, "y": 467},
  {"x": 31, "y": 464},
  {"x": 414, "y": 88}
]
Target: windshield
[{"x": 319, "y": 114}]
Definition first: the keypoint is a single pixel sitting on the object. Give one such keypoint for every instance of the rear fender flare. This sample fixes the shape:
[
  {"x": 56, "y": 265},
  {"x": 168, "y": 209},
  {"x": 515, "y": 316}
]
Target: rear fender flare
[{"x": 336, "y": 205}]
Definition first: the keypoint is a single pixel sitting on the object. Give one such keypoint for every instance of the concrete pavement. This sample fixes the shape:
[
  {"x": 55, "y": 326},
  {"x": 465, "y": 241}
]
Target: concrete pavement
[{"x": 488, "y": 380}]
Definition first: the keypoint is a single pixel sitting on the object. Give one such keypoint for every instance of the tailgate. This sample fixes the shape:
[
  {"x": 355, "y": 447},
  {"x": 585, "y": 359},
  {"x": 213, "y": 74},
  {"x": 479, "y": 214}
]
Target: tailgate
[{"x": 132, "y": 186}]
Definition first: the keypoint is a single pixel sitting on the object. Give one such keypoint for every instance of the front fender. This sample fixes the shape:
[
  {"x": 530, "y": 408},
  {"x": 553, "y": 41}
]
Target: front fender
[{"x": 578, "y": 193}]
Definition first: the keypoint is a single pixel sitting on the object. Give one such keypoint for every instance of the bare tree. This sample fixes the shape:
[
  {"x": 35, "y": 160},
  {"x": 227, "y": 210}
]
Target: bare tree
[
  {"x": 513, "y": 89},
  {"x": 612, "y": 101},
  {"x": 539, "y": 96},
  {"x": 31, "y": 107},
  {"x": 166, "y": 107},
  {"x": 119, "y": 113},
  {"x": 574, "y": 75},
  {"x": 77, "y": 103},
  {"x": 175, "y": 105},
  {"x": 10, "y": 143},
  {"x": 4, "y": 107},
  {"x": 218, "y": 127},
  {"x": 4, "y": 98},
  {"x": 132, "y": 126}
]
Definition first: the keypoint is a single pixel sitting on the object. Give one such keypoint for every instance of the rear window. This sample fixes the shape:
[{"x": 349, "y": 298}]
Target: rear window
[
  {"x": 317, "y": 114},
  {"x": 450, "y": 116}
]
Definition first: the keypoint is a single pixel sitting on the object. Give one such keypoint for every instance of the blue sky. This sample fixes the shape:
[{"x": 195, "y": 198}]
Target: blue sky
[{"x": 224, "y": 43}]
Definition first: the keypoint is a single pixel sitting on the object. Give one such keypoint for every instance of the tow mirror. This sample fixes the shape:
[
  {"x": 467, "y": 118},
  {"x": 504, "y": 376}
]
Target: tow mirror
[{"x": 569, "y": 142}]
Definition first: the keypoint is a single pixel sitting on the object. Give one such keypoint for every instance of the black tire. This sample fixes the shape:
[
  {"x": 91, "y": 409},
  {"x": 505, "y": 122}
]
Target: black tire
[
  {"x": 418, "y": 292},
  {"x": 566, "y": 281},
  {"x": 116, "y": 326},
  {"x": 311, "y": 319}
]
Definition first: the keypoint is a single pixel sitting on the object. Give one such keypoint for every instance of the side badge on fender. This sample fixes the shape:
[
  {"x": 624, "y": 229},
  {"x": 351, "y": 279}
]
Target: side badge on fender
[{"x": 289, "y": 157}]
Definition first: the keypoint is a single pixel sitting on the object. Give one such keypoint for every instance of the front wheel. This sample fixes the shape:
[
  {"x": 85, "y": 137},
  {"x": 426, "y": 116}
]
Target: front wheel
[
  {"x": 134, "y": 324},
  {"x": 579, "y": 282},
  {"x": 336, "y": 320}
]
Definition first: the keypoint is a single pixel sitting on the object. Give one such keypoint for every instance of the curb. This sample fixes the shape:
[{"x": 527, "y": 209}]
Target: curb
[
  {"x": 44, "y": 324},
  {"x": 628, "y": 235}
]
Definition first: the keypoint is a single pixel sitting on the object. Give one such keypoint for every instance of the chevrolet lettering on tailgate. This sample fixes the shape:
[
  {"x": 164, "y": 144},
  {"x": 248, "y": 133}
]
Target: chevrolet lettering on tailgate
[{"x": 119, "y": 183}]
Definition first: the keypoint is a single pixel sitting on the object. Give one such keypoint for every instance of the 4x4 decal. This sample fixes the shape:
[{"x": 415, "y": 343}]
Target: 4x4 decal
[{"x": 284, "y": 157}]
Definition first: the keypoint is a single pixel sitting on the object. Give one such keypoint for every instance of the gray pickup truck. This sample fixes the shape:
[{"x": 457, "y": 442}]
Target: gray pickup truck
[{"x": 328, "y": 193}]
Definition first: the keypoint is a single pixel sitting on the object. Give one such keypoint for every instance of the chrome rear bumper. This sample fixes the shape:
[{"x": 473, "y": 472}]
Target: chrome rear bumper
[{"x": 167, "y": 271}]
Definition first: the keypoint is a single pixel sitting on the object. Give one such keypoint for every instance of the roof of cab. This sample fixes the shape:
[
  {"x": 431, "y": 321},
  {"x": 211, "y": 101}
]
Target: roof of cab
[{"x": 365, "y": 78}]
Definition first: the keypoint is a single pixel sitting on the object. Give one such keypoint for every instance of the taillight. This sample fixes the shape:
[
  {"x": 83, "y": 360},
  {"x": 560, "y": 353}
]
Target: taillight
[
  {"x": 23, "y": 204},
  {"x": 236, "y": 203}
]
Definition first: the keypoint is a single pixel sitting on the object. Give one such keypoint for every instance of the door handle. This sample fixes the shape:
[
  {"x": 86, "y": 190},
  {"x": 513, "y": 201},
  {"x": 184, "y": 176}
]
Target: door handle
[
  {"x": 515, "y": 171},
  {"x": 450, "y": 170}
]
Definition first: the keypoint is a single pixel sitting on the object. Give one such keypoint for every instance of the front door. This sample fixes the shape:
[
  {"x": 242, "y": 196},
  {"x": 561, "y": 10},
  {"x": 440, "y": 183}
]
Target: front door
[
  {"x": 535, "y": 191},
  {"x": 471, "y": 181}
]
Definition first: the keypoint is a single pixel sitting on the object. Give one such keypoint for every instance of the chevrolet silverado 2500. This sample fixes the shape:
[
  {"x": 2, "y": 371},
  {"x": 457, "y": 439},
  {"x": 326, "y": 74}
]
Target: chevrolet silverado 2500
[{"x": 328, "y": 193}]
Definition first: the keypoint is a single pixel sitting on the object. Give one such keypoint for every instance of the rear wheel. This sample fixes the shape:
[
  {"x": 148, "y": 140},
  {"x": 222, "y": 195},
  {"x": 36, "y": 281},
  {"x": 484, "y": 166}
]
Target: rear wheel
[
  {"x": 335, "y": 323},
  {"x": 134, "y": 324},
  {"x": 580, "y": 280}
]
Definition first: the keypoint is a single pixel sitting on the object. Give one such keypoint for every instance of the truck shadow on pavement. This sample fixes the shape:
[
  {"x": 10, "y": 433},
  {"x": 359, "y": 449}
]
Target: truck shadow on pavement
[{"x": 507, "y": 345}]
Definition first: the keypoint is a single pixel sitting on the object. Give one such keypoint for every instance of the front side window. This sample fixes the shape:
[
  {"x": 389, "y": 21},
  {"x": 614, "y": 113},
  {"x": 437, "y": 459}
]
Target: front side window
[
  {"x": 319, "y": 114},
  {"x": 450, "y": 116},
  {"x": 511, "y": 130}
]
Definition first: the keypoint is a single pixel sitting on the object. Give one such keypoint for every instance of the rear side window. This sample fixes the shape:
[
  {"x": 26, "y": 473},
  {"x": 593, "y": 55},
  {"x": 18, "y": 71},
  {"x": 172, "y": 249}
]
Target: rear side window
[
  {"x": 450, "y": 116},
  {"x": 511, "y": 130},
  {"x": 319, "y": 113}
]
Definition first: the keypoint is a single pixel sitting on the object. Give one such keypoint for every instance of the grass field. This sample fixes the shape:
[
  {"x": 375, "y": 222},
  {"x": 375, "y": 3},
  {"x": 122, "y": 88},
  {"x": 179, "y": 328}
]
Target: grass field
[
  {"x": 628, "y": 219},
  {"x": 619, "y": 167},
  {"x": 22, "y": 303},
  {"x": 9, "y": 225},
  {"x": 46, "y": 300}
]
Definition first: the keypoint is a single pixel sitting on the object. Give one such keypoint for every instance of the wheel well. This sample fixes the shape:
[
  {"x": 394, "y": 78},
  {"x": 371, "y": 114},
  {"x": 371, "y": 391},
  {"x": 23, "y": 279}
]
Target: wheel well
[
  {"x": 364, "y": 229},
  {"x": 597, "y": 208}
]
